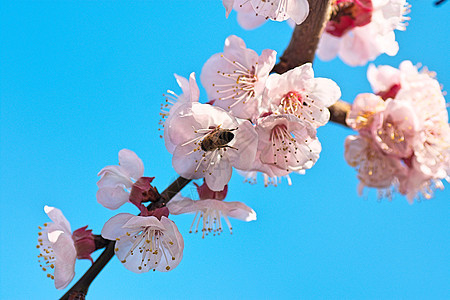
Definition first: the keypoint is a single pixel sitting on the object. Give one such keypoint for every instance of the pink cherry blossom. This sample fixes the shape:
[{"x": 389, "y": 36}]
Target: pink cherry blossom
[
  {"x": 278, "y": 10},
  {"x": 286, "y": 144},
  {"x": 125, "y": 183},
  {"x": 60, "y": 249},
  {"x": 297, "y": 92},
  {"x": 375, "y": 169},
  {"x": 410, "y": 128},
  {"x": 209, "y": 142},
  {"x": 357, "y": 41},
  {"x": 236, "y": 77},
  {"x": 191, "y": 93},
  {"x": 145, "y": 243},
  {"x": 211, "y": 209}
]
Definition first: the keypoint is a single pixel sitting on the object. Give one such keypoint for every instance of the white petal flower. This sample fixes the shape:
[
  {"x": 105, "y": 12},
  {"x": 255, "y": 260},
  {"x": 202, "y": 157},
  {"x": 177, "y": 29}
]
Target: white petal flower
[
  {"x": 58, "y": 252},
  {"x": 209, "y": 142},
  {"x": 285, "y": 145},
  {"x": 145, "y": 243},
  {"x": 210, "y": 213},
  {"x": 297, "y": 92},
  {"x": 116, "y": 181},
  {"x": 236, "y": 77}
]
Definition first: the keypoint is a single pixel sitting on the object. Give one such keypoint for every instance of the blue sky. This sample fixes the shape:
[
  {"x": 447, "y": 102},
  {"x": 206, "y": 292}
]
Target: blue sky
[{"x": 81, "y": 80}]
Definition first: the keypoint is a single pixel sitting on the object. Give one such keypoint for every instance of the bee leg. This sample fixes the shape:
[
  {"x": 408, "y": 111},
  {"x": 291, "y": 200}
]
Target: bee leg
[{"x": 226, "y": 146}]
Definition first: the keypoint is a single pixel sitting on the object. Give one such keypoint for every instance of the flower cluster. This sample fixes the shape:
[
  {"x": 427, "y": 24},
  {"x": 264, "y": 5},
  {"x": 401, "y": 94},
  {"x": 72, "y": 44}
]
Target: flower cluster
[
  {"x": 404, "y": 135},
  {"x": 145, "y": 242},
  {"x": 253, "y": 13},
  {"x": 360, "y": 30},
  {"x": 254, "y": 121}
]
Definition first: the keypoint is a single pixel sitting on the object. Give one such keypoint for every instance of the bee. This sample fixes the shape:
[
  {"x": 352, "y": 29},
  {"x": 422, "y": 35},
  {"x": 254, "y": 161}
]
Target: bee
[{"x": 217, "y": 139}]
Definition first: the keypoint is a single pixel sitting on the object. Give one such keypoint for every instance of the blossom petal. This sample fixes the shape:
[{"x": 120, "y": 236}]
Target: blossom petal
[
  {"x": 139, "y": 222},
  {"x": 298, "y": 10},
  {"x": 112, "y": 197},
  {"x": 240, "y": 211},
  {"x": 219, "y": 175},
  {"x": 113, "y": 228},
  {"x": 113, "y": 176},
  {"x": 324, "y": 90},
  {"x": 131, "y": 163},
  {"x": 65, "y": 253},
  {"x": 246, "y": 143},
  {"x": 58, "y": 218}
]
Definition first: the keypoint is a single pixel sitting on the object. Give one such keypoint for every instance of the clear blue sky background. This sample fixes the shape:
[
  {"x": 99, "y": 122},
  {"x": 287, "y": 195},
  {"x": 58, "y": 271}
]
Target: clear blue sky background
[{"x": 81, "y": 80}]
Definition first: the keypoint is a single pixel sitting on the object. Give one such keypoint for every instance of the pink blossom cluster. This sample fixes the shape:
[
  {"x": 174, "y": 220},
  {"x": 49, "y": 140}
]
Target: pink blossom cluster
[
  {"x": 404, "y": 135},
  {"x": 254, "y": 121},
  {"x": 253, "y": 13},
  {"x": 360, "y": 30}
]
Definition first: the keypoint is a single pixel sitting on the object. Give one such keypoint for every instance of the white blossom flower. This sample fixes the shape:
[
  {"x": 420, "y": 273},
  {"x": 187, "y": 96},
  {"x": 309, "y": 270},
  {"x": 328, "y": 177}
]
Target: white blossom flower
[
  {"x": 211, "y": 209},
  {"x": 59, "y": 247},
  {"x": 236, "y": 77},
  {"x": 285, "y": 144},
  {"x": 145, "y": 243},
  {"x": 116, "y": 182},
  {"x": 209, "y": 142},
  {"x": 297, "y": 92}
]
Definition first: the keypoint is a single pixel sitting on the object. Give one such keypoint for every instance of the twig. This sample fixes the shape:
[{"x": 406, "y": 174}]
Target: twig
[{"x": 305, "y": 37}]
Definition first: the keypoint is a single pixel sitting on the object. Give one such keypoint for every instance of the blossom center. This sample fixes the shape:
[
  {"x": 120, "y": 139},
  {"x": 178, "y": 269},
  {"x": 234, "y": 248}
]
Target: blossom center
[
  {"x": 300, "y": 105},
  {"x": 393, "y": 139},
  {"x": 150, "y": 245},
  {"x": 284, "y": 145},
  {"x": 211, "y": 220},
  {"x": 241, "y": 83}
]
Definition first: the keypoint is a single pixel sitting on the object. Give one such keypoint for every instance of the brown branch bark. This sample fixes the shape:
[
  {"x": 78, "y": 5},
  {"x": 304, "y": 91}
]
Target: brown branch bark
[
  {"x": 338, "y": 112},
  {"x": 80, "y": 288},
  {"x": 305, "y": 37}
]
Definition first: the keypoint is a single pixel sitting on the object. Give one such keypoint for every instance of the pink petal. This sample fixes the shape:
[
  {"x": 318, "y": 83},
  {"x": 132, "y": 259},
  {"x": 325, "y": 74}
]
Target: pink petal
[
  {"x": 112, "y": 197},
  {"x": 58, "y": 218},
  {"x": 113, "y": 228},
  {"x": 131, "y": 163},
  {"x": 298, "y": 10},
  {"x": 65, "y": 254}
]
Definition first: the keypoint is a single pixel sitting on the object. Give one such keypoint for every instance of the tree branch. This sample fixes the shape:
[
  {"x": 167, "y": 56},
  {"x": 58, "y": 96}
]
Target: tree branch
[
  {"x": 80, "y": 289},
  {"x": 338, "y": 112},
  {"x": 305, "y": 37}
]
